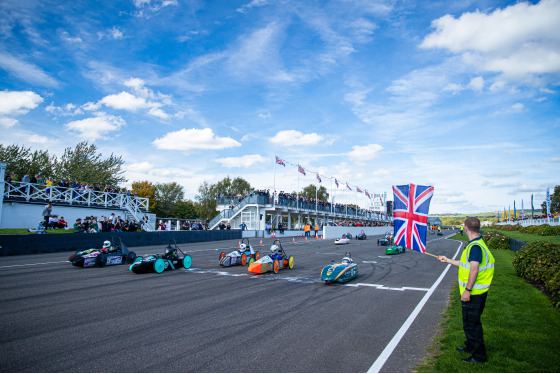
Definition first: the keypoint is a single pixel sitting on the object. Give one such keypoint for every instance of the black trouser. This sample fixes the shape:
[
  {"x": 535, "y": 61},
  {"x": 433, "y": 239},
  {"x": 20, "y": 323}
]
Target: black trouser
[{"x": 472, "y": 326}]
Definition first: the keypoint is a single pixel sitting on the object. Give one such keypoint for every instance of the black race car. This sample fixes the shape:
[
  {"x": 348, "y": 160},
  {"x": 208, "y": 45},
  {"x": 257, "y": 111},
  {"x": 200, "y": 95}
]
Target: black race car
[
  {"x": 386, "y": 240},
  {"x": 361, "y": 236},
  {"x": 169, "y": 260},
  {"x": 113, "y": 252}
]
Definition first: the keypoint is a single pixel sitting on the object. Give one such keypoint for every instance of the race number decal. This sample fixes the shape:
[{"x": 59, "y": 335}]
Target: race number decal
[{"x": 114, "y": 260}]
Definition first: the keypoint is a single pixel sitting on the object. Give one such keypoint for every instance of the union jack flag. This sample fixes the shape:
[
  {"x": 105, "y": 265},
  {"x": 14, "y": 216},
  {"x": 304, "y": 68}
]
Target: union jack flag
[
  {"x": 336, "y": 182},
  {"x": 347, "y": 186},
  {"x": 411, "y": 206},
  {"x": 367, "y": 194},
  {"x": 318, "y": 178},
  {"x": 358, "y": 189},
  {"x": 301, "y": 170},
  {"x": 279, "y": 161}
]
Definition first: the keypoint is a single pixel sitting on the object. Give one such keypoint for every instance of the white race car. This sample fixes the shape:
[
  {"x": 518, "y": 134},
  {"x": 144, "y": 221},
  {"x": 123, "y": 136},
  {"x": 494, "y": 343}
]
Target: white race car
[{"x": 342, "y": 240}]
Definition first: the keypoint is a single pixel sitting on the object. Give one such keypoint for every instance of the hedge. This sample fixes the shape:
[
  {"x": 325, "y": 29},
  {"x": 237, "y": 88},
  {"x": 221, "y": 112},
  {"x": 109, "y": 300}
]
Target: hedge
[
  {"x": 495, "y": 240},
  {"x": 544, "y": 230},
  {"x": 539, "y": 262}
]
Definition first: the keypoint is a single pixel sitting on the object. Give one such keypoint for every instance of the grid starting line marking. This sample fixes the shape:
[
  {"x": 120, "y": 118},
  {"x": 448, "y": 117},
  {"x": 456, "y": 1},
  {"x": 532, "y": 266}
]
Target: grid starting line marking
[{"x": 301, "y": 280}]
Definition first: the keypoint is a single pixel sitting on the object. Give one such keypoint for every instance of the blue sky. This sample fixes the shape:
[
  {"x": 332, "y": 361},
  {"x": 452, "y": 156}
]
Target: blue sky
[{"x": 461, "y": 95}]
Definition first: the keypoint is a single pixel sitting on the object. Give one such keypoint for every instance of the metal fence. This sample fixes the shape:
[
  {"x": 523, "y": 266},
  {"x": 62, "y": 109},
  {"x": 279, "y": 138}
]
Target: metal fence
[{"x": 73, "y": 196}]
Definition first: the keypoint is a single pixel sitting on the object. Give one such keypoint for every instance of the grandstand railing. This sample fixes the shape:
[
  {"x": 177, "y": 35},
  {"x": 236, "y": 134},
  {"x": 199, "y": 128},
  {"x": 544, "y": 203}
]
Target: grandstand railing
[
  {"x": 74, "y": 196},
  {"x": 267, "y": 201},
  {"x": 533, "y": 222}
]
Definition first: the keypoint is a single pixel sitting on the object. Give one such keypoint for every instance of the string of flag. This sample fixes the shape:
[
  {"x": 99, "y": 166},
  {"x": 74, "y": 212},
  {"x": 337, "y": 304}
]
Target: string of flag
[{"x": 303, "y": 171}]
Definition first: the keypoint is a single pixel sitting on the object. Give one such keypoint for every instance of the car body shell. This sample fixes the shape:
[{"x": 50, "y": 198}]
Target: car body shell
[
  {"x": 239, "y": 257},
  {"x": 272, "y": 262},
  {"x": 361, "y": 236},
  {"x": 116, "y": 254},
  {"x": 158, "y": 263},
  {"x": 395, "y": 250},
  {"x": 340, "y": 272},
  {"x": 343, "y": 240},
  {"x": 386, "y": 240}
]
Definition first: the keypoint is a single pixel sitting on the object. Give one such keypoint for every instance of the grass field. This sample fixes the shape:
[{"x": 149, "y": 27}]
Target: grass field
[
  {"x": 25, "y": 231},
  {"x": 529, "y": 238},
  {"x": 521, "y": 329}
]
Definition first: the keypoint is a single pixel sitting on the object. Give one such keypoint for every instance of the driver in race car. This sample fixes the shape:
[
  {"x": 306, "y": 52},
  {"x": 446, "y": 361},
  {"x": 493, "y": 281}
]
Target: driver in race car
[
  {"x": 170, "y": 252},
  {"x": 243, "y": 248},
  {"x": 275, "y": 252},
  {"x": 106, "y": 246}
]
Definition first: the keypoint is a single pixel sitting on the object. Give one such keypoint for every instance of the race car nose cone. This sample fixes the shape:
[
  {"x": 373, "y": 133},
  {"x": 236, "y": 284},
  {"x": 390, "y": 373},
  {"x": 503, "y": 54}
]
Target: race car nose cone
[{"x": 255, "y": 268}]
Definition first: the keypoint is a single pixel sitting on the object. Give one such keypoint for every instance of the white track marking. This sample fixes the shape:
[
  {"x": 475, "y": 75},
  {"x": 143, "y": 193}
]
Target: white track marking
[
  {"x": 389, "y": 348},
  {"x": 37, "y": 263}
]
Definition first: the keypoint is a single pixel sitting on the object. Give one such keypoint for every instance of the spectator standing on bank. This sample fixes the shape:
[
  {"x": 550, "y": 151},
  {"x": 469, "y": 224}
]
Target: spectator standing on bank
[
  {"x": 243, "y": 226},
  {"x": 46, "y": 214}
]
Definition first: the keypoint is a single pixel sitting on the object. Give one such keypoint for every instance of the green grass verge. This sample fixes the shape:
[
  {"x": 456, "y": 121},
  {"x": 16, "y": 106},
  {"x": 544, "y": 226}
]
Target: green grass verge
[
  {"x": 527, "y": 238},
  {"x": 24, "y": 231},
  {"x": 520, "y": 329}
]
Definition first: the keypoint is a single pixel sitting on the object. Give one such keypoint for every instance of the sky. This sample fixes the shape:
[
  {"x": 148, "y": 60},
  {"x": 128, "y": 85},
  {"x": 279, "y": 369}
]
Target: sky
[{"x": 459, "y": 95}]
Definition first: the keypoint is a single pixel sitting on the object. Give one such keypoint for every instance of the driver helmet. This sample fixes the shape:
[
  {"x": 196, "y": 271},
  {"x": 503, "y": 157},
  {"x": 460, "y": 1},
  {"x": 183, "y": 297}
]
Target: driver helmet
[
  {"x": 106, "y": 244},
  {"x": 274, "y": 248},
  {"x": 242, "y": 247},
  {"x": 169, "y": 250},
  {"x": 346, "y": 260}
]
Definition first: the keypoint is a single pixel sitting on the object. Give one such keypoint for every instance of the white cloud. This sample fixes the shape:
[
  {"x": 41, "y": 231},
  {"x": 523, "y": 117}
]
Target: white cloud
[
  {"x": 68, "y": 38},
  {"x": 97, "y": 127},
  {"x": 8, "y": 122},
  {"x": 477, "y": 83},
  {"x": 518, "y": 41},
  {"x": 14, "y": 103},
  {"x": 115, "y": 33},
  {"x": 364, "y": 153},
  {"x": 125, "y": 101},
  {"x": 252, "y": 4},
  {"x": 26, "y": 72},
  {"x": 18, "y": 102},
  {"x": 194, "y": 139},
  {"x": 243, "y": 161},
  {"x": 381, "y": 172},
  {"x": 293, "y": 137}
]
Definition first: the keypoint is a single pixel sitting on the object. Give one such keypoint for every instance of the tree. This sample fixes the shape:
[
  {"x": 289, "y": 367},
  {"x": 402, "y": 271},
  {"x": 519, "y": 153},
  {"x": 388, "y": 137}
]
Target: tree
[
  {"x": 146, "y": 189},
  {"x": 228, "y": 186},
  {"x": 185, "y": 209},
  {"x": 84, "y": 164},
  {"x": 554, "y": 201},
  {"x": 167, "y": 196},
  {"x": 21, "y": 160},
  {"x": 206, "y": 199},
  {"x": 309, "y": 193}
]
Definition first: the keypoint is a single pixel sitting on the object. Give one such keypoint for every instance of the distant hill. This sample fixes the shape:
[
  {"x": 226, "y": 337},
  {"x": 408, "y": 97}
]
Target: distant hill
[{"x": 448, "y": 219}]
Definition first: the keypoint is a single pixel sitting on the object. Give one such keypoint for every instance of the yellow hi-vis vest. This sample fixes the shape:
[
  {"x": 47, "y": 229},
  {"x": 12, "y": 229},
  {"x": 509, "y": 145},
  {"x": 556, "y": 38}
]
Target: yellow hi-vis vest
[{"x": 485, "y": 270}]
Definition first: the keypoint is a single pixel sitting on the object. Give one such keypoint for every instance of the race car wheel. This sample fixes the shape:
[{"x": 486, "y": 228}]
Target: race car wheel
[
  {"x": 243, "y": 259},
  {"x": 276, "y": 266},
  {"x": 187, "y": 262},
  {"x": 251, "y": 260},
  {"x": 291, "y": 262},
  {"x": 159, "y": 265},
  {"x": 100, "y": 260},
  {"x": 222, "y": 255},
  {"x": 257, "y": 255},
  {"x": 130, "y": 257}
]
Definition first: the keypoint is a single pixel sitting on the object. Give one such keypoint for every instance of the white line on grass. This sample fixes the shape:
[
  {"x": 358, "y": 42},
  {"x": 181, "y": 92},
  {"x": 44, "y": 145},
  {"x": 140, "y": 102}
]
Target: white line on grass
[{"x": 389, "y": 348}]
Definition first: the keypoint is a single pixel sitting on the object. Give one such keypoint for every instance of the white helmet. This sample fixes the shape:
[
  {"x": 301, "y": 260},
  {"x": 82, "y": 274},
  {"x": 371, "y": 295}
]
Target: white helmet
[
  {"x": 274, "y": 248},
  {"x": 243, "y": 247},
  {"x": 106, "y": 244}
]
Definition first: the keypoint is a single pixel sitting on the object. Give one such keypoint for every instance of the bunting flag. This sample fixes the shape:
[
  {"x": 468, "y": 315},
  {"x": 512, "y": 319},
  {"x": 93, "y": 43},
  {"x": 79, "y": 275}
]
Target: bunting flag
[
  {"x": 532, "y": 208},
  {"x": 367, "y": 194},
  {"x": 336, "y": 182},
  {"x": 358, "y": 189},
  {"x": 411, "y": 206},
  {"x": 347, "y": 186},
  {"x": 301, "y": 170},
  {"x": 514, "y": 210},
  {"x": 280, "y": 162},
  {"x": 509, "y": 213},
  {"x": 522, "y": 210},
  {"x": 318, "y": 178}
]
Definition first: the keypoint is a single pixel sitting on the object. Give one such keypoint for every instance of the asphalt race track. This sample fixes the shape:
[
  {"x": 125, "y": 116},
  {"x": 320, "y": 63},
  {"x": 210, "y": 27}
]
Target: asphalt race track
[{"x": 59, "y": 318}]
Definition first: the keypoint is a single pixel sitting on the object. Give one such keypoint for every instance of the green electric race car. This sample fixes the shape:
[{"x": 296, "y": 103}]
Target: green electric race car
[{"x": 395, "y": 250}]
